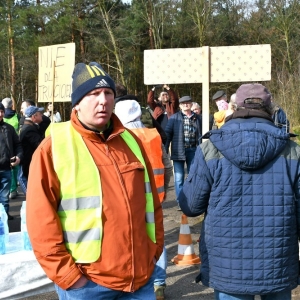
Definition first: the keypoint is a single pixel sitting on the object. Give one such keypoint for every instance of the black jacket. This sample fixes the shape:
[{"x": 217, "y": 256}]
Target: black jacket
[
  {"x": 42, "y": 126},
  {"x": 10, "y": 145},
  {"x": 30, "y": 137}
]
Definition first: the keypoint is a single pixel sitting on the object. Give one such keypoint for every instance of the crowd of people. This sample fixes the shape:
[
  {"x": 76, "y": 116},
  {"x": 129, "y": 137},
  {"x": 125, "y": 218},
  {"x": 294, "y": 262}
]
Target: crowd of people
[{"x": 95, "y": 188}]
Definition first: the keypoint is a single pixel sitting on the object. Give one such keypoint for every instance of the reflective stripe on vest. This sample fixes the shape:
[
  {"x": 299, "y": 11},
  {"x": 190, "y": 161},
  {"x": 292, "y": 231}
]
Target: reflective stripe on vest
[
  {"x": 13, "y": 121},
  {"x": 80, "y": 209},
  {"x": 152, "y": 143},
  {"x": 135, "y": 148}
]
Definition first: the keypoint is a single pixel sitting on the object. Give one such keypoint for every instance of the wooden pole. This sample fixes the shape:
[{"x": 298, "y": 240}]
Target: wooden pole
[
  {"x": 205, "y": 88},
  {"x": 53, "y": 91}
]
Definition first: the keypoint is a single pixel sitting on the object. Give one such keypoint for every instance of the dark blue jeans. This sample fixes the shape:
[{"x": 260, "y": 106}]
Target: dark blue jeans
[
  {"x": 22, "y": 180},
  {"x": 161, "y": 269},
  {"x": 179, "y": 173},
  {"x": 95, "y": 291},
  {"x": 5, "y": 182}
]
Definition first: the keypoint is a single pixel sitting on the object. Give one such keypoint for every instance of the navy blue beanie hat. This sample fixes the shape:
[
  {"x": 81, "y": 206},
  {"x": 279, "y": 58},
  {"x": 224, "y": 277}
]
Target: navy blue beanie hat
[
  {"x": 87, "y": 78},
  {"x": 2, "y": 107}
]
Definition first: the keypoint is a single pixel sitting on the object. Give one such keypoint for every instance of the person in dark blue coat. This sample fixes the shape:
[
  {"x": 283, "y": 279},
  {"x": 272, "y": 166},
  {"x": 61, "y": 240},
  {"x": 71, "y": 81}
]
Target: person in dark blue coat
[
  {"x": 30, "y": 138},
  {"x": 183, "y": 132},
  {"x": 246, "y": 179}
]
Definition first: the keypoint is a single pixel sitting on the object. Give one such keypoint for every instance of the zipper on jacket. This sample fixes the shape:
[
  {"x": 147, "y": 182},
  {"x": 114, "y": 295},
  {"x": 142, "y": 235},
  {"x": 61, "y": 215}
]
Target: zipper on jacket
[
  {"x": 80, "y": 268},
  {"x": 132, "y": 287},
  {"x": 127, "y": 202},
  {"x": 107, "y": 150}
]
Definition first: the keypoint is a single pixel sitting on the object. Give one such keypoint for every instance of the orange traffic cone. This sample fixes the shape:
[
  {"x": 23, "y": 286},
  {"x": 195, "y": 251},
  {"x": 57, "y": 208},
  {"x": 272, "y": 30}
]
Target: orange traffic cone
[{"x": 186, "y": 254}]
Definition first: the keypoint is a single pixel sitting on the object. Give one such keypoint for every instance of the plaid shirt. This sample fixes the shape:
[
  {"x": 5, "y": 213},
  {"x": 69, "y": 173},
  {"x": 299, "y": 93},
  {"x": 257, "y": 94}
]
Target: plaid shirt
[{"x": 189, "y": 131}]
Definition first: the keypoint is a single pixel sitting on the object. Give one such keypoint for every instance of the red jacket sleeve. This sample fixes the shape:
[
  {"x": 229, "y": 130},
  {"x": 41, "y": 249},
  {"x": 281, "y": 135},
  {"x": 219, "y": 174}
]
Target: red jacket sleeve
[
  {"x": 173, "y": 105},
  {"x": 150, "y": 100}
]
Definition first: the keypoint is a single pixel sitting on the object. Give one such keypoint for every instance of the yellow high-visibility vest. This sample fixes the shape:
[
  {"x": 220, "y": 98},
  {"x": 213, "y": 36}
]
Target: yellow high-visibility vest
[
  {"x": 13, "y": 121},
  {"x": 80, "y": 209}
]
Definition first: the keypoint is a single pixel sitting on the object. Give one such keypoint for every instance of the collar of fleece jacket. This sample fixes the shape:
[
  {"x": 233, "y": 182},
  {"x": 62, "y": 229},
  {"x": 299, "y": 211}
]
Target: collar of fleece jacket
[{"x": 249, "y": 113}]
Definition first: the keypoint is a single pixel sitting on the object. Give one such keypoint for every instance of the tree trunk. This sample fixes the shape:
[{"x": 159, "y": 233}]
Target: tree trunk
[
  {"x": 11, "y": 53},
  {"x": 116, "y": 50}
]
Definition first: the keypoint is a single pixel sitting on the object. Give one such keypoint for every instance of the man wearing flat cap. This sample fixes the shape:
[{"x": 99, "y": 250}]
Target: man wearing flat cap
[
  {"x": 30, "y": 137},
  {"x": 245, "y": 178},
  {"x": 183, "y": 133},
  {"x": 219, "y": 95},
  {"x": 94, "y": 220}
]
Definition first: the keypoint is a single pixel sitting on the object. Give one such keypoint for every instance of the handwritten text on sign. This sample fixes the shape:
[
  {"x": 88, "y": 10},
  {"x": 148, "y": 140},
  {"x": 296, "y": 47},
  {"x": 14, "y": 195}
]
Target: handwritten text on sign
[{"x": 61, "y": 83}]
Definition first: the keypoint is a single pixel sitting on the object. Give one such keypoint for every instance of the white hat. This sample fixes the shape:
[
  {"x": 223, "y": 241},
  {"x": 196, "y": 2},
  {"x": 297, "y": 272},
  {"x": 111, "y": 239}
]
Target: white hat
[{"x": 128, "y": 111}]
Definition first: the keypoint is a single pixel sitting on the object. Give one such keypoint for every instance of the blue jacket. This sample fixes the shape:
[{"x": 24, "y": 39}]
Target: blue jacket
[
  {"x": 280, "y": 120},
  {"x": 174, "y": 132},
  {"x": 246, "y": 179}
]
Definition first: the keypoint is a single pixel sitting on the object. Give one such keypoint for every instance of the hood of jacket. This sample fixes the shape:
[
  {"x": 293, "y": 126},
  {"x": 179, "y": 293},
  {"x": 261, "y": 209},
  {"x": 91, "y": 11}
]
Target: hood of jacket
[
  {"x": 9, "y": 113},
  {"x": 249, "y": 140}
]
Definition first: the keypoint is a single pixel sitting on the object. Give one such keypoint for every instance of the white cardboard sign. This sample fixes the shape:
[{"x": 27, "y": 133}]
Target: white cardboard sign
[
  {"x": 56, "y": 65},
  {"x": 205, "y": 65},
  {"x": 227, "y": 64}
]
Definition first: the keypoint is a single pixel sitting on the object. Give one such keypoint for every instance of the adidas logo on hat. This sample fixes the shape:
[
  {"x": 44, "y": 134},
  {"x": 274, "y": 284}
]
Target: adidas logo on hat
[
  {"x": 87, "y": 78},
  {"x": 102, "y": 83}
]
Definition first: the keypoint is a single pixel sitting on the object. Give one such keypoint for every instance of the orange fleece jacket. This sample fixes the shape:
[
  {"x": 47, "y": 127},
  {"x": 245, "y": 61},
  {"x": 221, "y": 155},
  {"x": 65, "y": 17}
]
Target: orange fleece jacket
[{"x": 126, "y": 260}]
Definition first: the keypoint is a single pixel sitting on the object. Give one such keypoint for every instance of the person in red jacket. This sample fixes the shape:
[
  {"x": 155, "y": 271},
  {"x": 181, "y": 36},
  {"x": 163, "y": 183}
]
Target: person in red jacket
[{"x": 166, "y": 105}]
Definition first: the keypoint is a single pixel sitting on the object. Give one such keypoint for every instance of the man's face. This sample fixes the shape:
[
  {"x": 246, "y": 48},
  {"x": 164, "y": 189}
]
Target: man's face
[
  {"x": 164, "y": 97},
  {"x": 95, "y": 108},
  {"x": 23, "y": 107},
  {"x": 196, "y": 110},
  {"x": 37, "y": 117},
  {"x": 186, "y": 107},
  {"x": 1, "y": 114}
]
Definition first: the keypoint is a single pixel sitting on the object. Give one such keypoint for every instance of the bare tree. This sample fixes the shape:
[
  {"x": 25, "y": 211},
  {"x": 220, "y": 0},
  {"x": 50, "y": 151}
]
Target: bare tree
[
  {"x": 107, "y": 13},
  {"x": 285, "y": 14},
  {"x": 11, "y": 49},
  {"x": 200, "y": 12},
  {"x": 155, "y": 15}
]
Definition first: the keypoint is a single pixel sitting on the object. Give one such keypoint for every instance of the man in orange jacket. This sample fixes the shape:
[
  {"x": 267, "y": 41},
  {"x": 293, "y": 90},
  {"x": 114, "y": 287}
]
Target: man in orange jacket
[{"x": 87, "y": 219}]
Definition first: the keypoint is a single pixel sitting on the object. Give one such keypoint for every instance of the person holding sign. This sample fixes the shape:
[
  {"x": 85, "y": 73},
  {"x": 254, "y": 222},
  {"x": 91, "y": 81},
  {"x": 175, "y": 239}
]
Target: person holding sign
[
  {"x": 95, "y": 222},
  {"x": 166, "y": 106}
]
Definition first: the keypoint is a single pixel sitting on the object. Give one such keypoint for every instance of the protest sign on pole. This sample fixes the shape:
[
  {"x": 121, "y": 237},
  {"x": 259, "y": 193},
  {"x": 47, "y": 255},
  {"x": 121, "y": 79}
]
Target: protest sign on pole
[
  {"x": 207, "y": 64},
  {"x": 56, "y": 64}
]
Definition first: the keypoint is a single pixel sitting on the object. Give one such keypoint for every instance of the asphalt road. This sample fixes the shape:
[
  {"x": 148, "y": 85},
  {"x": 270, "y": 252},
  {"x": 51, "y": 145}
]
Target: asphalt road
[{"x": 181, "y": 279}]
